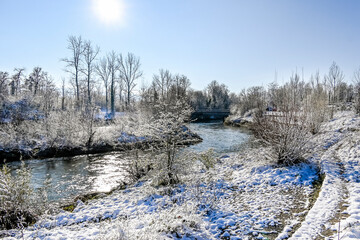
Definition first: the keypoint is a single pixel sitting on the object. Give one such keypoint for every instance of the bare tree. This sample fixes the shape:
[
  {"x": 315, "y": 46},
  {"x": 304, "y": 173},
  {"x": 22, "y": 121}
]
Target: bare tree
[
  {"x": 198, "y": 99},
  {"x": 154, "y": 92},
  {"x": 16, "y": 80},
  {"x": 35, "y": 79},
  {"x": 4, "y": 77},
  {"x": 295, "y": 89},
  {"x": 63, "y": 95},
  {"x": 316, "y": 84},
  {"x": 102, "y": 69},
  {"x": 218, "y": 95},
  {"x": 90, "y": 54},
  {"x": 182, "y": 84},
  {"x": 160, "y": 81},
  {"x": 113, "y": 67},
  {"x": 343, "y": 91},
  {"x": 73, "y": 64},
  {"x": 121, "y": 91},
  {"x": 356, "y": 81},
  {"x": 48, "y": 94},
  {"x": 333, "y": 79},
  {"x": 129, "y": 72},
  {"x": 145, "y": 94},
  {"x": 168, "y": 83}
]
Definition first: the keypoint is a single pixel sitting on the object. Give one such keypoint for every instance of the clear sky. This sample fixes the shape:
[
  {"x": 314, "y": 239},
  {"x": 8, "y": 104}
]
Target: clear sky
[{"x": 239, "y": 43}]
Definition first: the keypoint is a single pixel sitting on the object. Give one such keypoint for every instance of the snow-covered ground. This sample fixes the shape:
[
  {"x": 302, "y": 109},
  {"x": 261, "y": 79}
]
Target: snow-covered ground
[
  {"x": 339, "y": 199},
  {"x": 245, "y": 196}
]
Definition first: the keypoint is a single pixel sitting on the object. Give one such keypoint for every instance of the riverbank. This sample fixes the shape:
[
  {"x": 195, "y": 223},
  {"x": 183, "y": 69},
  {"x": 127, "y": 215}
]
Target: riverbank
[
  {"x": 122, "y": 142},
  {"x": 245, "y": 196},
  {"x": 238, "y": 121}
]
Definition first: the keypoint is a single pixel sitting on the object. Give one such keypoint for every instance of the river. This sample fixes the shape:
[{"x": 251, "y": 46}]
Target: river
[{"x": 71, "y": 176}]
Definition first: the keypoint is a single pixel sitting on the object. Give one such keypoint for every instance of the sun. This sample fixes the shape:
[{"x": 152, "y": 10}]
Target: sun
[{"x": 109, "y": 12}]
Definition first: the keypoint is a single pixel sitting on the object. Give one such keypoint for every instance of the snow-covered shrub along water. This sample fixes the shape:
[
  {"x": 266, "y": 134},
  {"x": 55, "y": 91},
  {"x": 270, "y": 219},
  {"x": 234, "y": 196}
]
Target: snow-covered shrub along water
[{"x": 244, "y": 196}]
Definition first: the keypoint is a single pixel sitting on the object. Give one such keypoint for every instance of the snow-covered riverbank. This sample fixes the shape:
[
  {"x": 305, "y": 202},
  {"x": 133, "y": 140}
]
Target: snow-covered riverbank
[
  {"x": 245, "y": 196},
  {"x": 107, "y": 140}
]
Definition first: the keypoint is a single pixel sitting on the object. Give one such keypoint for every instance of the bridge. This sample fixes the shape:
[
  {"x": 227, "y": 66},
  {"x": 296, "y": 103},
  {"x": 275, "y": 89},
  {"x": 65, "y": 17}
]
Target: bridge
[{"x": 210, "y": 114}]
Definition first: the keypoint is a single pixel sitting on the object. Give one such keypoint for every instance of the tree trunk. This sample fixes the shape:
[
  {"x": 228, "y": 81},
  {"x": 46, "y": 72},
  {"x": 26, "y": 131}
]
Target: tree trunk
[
  {"x": 106, "y": 99},
  {"x": 128, "y": 97},
  {"x": 88, "y": 85},
  {"x": 112, "y": 97},
  {"x": 77, "y": 89}
]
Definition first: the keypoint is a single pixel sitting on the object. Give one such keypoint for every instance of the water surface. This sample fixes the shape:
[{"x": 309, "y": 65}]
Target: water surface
[{"x": 72, "y": 176}]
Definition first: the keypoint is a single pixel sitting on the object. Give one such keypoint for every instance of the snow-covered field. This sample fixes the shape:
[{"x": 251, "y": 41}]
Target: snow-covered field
[{"x": 245, "y": 196}]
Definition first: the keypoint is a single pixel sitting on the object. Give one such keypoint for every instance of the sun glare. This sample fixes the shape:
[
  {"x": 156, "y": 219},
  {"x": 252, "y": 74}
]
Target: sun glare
[{"x": 109, "y": 12}]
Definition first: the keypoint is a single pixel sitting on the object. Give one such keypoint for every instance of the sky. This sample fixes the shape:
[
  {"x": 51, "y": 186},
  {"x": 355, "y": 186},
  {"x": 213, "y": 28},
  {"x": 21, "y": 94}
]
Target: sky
[{"x": 236, "y": 42}]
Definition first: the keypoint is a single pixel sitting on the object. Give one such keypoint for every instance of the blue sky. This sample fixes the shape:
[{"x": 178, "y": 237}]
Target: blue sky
[{"x": 239, "y": 43}]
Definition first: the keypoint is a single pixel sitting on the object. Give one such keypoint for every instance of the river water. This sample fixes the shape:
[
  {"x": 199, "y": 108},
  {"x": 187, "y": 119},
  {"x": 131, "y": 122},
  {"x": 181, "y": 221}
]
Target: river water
[{"x": 71, "y": 176}]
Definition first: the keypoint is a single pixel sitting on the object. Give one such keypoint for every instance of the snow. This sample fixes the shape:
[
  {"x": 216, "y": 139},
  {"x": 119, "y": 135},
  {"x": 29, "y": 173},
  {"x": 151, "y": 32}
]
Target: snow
[
  {"x": 245, "y": 196},
  {"x": 240, "y": 201},
  {"x": 339, "y": 162},
  {"x": 130, "y": 138}
]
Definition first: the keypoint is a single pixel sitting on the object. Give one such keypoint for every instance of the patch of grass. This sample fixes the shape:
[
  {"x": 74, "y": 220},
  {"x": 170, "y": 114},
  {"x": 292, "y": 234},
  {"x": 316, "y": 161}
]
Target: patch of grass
[
  {"x": 317, "y": 189},
  {"x": 69, "y": 208},
  {"x": 90, "y": 196}
]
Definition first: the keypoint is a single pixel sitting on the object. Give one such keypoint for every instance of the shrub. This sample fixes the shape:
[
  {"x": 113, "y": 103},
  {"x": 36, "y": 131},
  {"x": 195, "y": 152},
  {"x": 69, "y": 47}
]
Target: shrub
[
  {"x": 168, "y": 129},
  {"x": 137, "y": 166},
  {"x": 317, "y": 111},
  {"x": 357, "y": 100},
  {"x": 19, "y": 203},
  {"x": 207, "y": 158},
  {"x": 59, "y": 129},
  {"x": 285, "y": 132}
]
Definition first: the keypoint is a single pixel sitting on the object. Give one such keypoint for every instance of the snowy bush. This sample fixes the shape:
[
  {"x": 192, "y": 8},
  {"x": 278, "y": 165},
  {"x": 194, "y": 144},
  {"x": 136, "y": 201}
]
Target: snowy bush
[
  {"x": 137, "y": 166},
  {"x": 357, "y": 100},
  {"x": 167, "y": 128},
  {"x": 285, "y": 133},
  {"x": 316, "y": 110},
  {"x": 19, "y": 203},
  {"x": 207, "y": 158},
  {"x": 166, "y": 168},
  {"x": 59, "y": 129},
  {"x": 17, "y": 111}
]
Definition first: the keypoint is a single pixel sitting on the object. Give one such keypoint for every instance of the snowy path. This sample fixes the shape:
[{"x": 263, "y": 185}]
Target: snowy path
[
  {"x": 327, "y": 203},
  {"x": 341, "y": 186},
  {"x": 350, "y": 152}
]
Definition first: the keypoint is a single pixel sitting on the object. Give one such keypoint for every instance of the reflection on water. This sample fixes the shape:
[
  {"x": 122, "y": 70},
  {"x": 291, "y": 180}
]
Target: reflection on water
[
  {"x": 80, "y": 174},
  {"x": 223, "y": 139},
  {"x": 102, "y": 172}
]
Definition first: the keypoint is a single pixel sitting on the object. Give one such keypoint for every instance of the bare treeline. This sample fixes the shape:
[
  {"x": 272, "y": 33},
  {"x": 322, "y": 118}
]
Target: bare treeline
[
  {"x": 111, "y": 82},
  {"x": 38, "y": 86},
  {"x": 165, "y": 87},
  {"x": 113, "y": 69},
  {"x": 214, "y": 96},
  {"x": 297, "y": 94}
]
